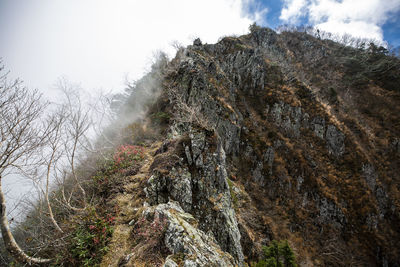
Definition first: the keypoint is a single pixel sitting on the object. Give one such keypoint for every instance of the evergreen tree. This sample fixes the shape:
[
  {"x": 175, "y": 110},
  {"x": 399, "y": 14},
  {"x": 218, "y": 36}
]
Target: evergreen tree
[{"x": 278, "y": 254}]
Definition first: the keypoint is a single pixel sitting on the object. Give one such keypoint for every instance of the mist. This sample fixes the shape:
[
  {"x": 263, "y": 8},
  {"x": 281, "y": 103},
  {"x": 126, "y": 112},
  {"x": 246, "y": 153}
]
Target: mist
[
  {"x": 99, "y": 43},
  {"x": 99, "y": 46}
]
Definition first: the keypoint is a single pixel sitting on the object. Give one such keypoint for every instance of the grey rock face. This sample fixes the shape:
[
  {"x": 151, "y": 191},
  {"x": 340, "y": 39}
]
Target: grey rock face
[
  {"x": 211, "y": 202},
  {"x": 155, "y": 188},
  {"x": 264, "y": 37},
  {"x": 197, "y": 42},
  {"x": 188, "y": 155},
  {"x": 197, "y": 146},
  {"x": 276, "y": 113},
  {"x": 383, "y": 201},
  {"x": 318, "y": 125},
  {"x": 181, "y": 236},
  {"x": 170, "y": 263},
  {"x": 370, "y": 176},
  {"x": 205, "y": 193},
  {"x": 190, "y": 263},
  {"x": 196, "y": 90},
  {"x": 289, "y": 118},
  {"x": 230, "y": 134},
  {"x": 330, "y": 213},
  {"x": 300, "y": 181},
  {"x": 215, "y": 211},
  {"x": 246, "y": 65},
  {"x": 335, "y": 140},
  {"x": 269, "y": 157},
  {"x": 305, "y": 120},
  {"x": 295, "y": 122},
  {"x": 176, "y": 186},
  {"x": 257, "y": 175}
]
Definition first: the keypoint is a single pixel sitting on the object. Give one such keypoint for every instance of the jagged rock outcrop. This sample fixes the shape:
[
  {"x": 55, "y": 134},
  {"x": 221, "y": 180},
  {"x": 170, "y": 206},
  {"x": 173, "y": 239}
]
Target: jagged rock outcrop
[
  {"x": 182, "y": 236},
  {"x": 199, "y": 184},
  {"x": 269, "y": 139}
]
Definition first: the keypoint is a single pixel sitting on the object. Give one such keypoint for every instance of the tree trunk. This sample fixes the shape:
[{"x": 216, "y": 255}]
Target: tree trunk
[
  {"x": 47, "y": 195},
  {"x": 9, "y": 241}
]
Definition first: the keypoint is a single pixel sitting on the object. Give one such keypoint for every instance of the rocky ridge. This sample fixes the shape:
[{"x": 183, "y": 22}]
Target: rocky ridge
[{"x": 269, "y": 152}]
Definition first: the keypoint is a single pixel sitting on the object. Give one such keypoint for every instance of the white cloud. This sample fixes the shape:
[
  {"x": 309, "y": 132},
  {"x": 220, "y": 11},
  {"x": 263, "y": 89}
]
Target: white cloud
[
  {"x": 292, "y": 10},
  {"x": 361, "y": 18},
  {"x": 360, "y": 29},
  {"x": 254, "y": 10},
  {"x": 96, "y": 42}
]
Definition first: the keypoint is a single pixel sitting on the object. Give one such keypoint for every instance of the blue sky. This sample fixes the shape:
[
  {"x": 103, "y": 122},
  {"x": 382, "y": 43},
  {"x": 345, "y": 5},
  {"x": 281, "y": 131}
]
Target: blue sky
[
  {"x": 377, "y": 19},
  {"x": 391, "y": 31},
  {"x": 271, "y": 17}
]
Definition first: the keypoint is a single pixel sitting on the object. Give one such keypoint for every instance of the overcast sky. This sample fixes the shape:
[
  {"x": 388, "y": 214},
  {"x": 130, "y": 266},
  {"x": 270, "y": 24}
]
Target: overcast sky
[{"x": 98, "y": 42}]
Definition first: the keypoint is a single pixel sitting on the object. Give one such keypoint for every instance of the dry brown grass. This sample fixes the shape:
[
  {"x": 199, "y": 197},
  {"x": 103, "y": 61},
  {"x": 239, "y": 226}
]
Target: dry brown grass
[{"x": 130, "y": 207}]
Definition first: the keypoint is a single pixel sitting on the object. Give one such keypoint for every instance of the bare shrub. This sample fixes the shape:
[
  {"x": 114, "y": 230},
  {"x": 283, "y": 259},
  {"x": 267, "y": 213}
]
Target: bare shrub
[{"x": 184, "y": 112}]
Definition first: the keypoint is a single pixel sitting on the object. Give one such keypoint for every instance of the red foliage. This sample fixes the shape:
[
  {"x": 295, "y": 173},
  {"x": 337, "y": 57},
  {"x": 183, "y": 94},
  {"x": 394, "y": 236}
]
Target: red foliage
[{"x": 125, "y": 154}]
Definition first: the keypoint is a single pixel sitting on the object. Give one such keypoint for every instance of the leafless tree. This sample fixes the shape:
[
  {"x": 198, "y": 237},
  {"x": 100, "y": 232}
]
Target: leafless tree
[
  {"x": 20, "y": 138},
  {"x": 54, "y": 146},
  {"x": 44, "y": 149},
  {"x": 106, "y": 108},
  {"x": 177, "y": 45},
  {"x": 77, "y": 124}
]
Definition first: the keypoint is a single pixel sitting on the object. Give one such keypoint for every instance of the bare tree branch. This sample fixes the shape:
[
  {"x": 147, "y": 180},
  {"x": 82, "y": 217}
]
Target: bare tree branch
[{"x": 20, "y": 138}]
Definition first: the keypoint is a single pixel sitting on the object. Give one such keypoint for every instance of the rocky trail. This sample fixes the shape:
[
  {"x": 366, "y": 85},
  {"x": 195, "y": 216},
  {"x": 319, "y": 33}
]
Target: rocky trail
[{"x": 129, "y": 203}]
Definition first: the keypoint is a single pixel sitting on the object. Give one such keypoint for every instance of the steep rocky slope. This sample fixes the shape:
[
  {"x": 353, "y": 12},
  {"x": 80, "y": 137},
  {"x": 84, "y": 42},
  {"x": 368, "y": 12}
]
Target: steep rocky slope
[{"x": 269, "y": 137}]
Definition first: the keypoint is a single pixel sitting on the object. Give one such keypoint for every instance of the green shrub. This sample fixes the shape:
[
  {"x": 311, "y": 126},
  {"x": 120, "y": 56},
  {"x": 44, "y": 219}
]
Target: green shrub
[
  {"x": 277, "y": 254},
  {"x": 89, "y": 239}
]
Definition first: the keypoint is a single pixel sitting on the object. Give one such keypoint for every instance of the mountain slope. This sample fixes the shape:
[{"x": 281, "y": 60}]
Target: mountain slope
[
  {"x": 270, "y": 137},
  {"x": 246, "y": 144}
]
